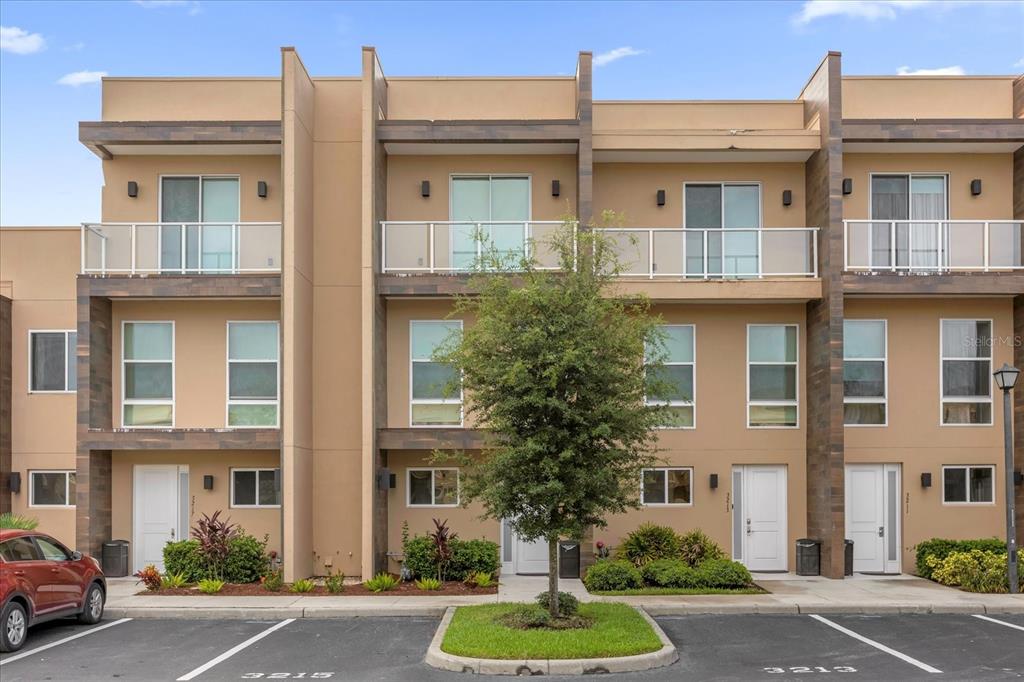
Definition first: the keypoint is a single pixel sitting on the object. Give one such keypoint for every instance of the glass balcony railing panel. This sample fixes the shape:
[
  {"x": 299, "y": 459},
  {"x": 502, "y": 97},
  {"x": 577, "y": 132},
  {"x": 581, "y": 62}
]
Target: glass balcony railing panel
[
  {"x": 632, "y": 248},
  {"x": 788, "y": 253},
  {"x": 669, "y": 253},
  {"x": 542, "y": 247},
  {"x": 259, "y": 247},
  {"x": 933, "y": 246},
  {"x": 1006, "y": 242},
  {"x": 407, "y": 246}
]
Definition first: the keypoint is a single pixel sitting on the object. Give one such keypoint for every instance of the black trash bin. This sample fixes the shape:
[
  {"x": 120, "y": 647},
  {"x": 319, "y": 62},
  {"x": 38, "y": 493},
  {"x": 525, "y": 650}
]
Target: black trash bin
[
  {"x": 808, "y": 557},
  {"x": 568, "y": 559},
  {"x": 848, "y": 563},
  {"x": 115, "y": 558}
]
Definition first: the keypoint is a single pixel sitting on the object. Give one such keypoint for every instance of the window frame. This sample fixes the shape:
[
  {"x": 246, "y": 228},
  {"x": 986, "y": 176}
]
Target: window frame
[
  {"x": 32, "y": 504},
  {"x": 991, "y": 366},
  {"x": 174, "y": 377},
  {"x": 967, "y": 483},
  {"x": 692, "y": 364},
  {"x": 433, "y": 401},
  {"x": 775, "y": 403},
  {"x": 160, "y": 214},
  {"x": 228, "y": 401},
  {"x": 408, "y": 487},
  {"x": 256, "y": 496},
  {"x": 452, "y": 177},
  {"x": 885, "y": 374},
  {"x": 643, "y": 503},
  {"x": 67, "y": 363}
]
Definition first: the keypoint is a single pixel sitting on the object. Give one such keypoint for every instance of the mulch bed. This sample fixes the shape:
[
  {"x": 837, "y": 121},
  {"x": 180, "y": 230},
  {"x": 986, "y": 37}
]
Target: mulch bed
[{"x": 357, "y": 590}]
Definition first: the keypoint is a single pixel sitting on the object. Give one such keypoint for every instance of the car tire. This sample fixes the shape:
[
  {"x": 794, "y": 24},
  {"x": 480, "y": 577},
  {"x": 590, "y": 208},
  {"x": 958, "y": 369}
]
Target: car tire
[
  {"x": 92, "y": 607},
  {"x": 13, "y": 627}
]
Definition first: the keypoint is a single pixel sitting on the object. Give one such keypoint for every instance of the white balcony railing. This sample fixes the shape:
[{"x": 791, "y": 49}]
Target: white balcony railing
[
  {"x": 933, "y": 246},
  {"x": 181, "y": 248}
]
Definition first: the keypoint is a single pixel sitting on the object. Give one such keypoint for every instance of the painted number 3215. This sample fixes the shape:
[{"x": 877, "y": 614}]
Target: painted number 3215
[
  {"x": 287, "y": 676},
  {"x": 796, "y": 669}
]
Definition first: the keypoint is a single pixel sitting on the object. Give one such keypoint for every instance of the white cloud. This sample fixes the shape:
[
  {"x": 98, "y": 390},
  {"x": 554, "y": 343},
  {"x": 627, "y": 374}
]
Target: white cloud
[
  {"x": 616, "y": 54},
  {"x": 192, "y": 5},
  {"x": 872, "y": 10},
  {"x": 75, "y": 47},
  {"x": 1019, "y": 64},
  {"x": 78, "y": 78},
  {"x": 941, "y": 71},
  {"x": 20, "y": 41}
]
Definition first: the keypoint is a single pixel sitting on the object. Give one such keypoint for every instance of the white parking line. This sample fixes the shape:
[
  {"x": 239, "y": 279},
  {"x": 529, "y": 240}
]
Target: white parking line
[
  {"x": 24, "y": 654},
  {"x": 233, "y": 650},
  {"x": 881, "y": 647},
  {"x": 993, "y": 620}
]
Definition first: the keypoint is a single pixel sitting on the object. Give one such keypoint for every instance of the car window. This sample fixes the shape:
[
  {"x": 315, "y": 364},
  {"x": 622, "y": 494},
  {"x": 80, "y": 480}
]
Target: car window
[
  {"x": 51, "y": 551},
  {"x": 19, "y": 549}
]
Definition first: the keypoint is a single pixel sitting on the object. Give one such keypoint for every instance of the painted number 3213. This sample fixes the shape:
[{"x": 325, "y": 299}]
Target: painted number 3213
[
  {"x": 796, "y": 669},
  {"x": 287, "y": 676}
]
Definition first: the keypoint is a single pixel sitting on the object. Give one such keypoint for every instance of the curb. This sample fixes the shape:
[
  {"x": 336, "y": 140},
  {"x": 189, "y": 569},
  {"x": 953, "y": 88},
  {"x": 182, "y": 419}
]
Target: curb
[
  {"x": 665, "y": 656},
  {"x": 880, "y": 609}
]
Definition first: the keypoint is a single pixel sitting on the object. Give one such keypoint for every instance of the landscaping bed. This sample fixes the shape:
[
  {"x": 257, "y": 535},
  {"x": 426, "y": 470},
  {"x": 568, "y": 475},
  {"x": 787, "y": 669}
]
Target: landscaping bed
[
  {"x": 658, "y": 591},
  {"x": 409, "y": 589}
]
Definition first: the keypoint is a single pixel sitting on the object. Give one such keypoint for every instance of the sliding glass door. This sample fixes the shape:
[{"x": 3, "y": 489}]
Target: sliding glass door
[
  {"x": 719, "y": 208},
  {"x": 189, "y": 201},
  {"x": 920, "y": 201},
  {"x": 489, "y": 201}
]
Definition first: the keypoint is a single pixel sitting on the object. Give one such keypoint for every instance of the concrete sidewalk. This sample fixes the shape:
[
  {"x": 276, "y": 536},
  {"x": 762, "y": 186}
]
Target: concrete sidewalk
[{"x": 788, "y": 594}]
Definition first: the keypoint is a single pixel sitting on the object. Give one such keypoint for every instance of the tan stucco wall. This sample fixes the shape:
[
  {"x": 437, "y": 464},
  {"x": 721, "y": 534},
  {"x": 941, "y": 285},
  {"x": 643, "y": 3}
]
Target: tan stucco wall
[
  {"x": 909, "y": 97},
  {"x": 191, "y": 99},
  {"x": 612, "y": 116},
  {"x": 914, "y": 436},
  {"x": 442, "y": 99}
]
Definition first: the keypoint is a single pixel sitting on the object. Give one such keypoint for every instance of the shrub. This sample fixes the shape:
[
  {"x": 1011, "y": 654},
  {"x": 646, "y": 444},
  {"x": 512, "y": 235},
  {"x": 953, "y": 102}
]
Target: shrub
[
  {"x": 12, "y": 521},
  {"x": 173, "y": 581},
  {"x": 273, "y": 581},
  {"x": 526, "y": 616},
  {"x": 150, "y": 577},
  {"x": 303, "y": 585},
  {"x": 696, "y": 547},
  {"x": 940, "y": 549},
  {"x": 214, "y": 537},
  {"x": 420, "y": 559},
  {"x": 382, "y": 582},
  {"x": 335, "y": 582},
  {"x": 210, "y": 586},
  {"x": 246, "y": 561},
  {"x": 183, "y": 558},
  {"x": 608, "y": 575},
  {"x": 429, "y": 584},
  {"x": 723, "y": 573},
  {"x": 480, "y": 579},
  {"x": 568, "y": 604},
  {"x": 473, "y": 556},
  {"x": 649, "y": 543},
  {"x": 442, "y": 537},
  {"x": 974, "y": 571},
  {"x": 670, "y": 573}
]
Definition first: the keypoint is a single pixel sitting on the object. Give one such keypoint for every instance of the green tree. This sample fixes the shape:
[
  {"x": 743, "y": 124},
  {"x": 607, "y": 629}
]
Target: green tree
[{"x": 553, "y": 365}]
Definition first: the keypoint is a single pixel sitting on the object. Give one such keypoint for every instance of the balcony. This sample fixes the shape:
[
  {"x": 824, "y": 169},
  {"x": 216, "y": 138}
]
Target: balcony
[
  {"x": 933, "y": 247},
  {"x": 181, "y": 248}
]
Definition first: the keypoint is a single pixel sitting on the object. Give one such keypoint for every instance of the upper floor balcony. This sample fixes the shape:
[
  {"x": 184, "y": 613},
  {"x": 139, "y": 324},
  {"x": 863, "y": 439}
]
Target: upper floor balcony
[
  {"x": 933, "y": 246},
  {"x": 161, "y": 248}
]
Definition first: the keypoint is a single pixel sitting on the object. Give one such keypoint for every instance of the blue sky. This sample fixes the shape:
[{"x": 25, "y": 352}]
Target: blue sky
[{"x": 52, "y": 54}]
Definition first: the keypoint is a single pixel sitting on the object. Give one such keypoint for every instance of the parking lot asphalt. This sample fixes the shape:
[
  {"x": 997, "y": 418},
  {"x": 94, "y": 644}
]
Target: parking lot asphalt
[{"x": 720, "y": 647}]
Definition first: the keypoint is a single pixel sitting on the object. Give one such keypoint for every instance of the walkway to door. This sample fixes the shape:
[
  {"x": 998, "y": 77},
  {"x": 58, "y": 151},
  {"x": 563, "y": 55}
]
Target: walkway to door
[{"x": 527, "y": 587}]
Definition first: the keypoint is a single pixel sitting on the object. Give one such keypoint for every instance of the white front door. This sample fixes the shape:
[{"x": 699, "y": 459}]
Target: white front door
[
  {"x": 872, "y": 516},
  {"x": 521, "y": 557},
  {"x": 160, "y": 503},
  {"x": 760, "y": 530}
]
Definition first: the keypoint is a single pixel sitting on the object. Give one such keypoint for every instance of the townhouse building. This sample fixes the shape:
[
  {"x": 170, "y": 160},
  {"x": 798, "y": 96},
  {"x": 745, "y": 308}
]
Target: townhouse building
[{"x": 249, "y": 328}]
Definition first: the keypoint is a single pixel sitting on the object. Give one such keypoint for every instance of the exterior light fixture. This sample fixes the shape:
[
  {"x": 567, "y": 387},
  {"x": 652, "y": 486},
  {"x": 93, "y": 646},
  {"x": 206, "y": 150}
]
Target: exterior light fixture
[
  {"x": 1006, "y": 377},
  {"x": 926, "y": 480},
  {"x": 425, "y": 189},
  {"x": 261, "y": 189},
  {"x": 661, "y": 197},
  {"x": 713, "y": 481},
  {"x": 14, "y": 482},
  {"x": 208, "y": 482},
  {"x": 787, "y": 197},
  {"x": 847, "y": 185},
  {"x": 133, "y": 189},
  {"x": 556, "y": 188},
  {"x": 975, "y": 187}
]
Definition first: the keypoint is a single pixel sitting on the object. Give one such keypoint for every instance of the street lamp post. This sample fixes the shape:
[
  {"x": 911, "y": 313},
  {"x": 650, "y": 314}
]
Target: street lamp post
[{"x": 1006, "y": 378}]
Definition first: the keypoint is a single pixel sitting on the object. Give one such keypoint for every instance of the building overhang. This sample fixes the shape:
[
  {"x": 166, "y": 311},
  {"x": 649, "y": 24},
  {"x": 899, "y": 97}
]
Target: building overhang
[
  {"x": 108, "y": 139},
  {"x": 1008, "y": 132},
  {"x": 952, "y": 284},
  {"x": 557, "y": 136}
]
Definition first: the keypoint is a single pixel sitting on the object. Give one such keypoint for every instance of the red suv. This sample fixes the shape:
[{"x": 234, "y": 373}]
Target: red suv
[{"x": 41, "y": 579}]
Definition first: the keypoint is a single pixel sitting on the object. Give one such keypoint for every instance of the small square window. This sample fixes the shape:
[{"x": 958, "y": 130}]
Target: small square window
[
  {"x": 255, "y": 488},
  {"x": 52, "y": 488},
  {"x": 433, "y": 488},
  {"x": 667, "y": 486},
  {"x": 968, "y": 484}
]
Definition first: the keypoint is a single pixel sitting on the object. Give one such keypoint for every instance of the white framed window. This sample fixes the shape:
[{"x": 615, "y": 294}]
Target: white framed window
[
  {"x": 191, "y": 200},
  {"x": 772, "y": 375},
  {"x": 488, "y": 201},
  {"x": 432, "y": 402},
  {"x": 52, "y": 361},
  {"x": 965, "y": 374},
  {"x": 147, "y": 374},
  {"x": 728, "y": 215},
  {"x": 963, "y": 484},
  {"x": 908, "y": 208},
  {"x": 253, "y": 374},
  {"x": 669, "y": 486},
  {"x": 678, "y": 371},
  {"x": 432, "y": 487},
  {"x": 865, "y": 373},
  {"x": 51, "y": 488},
  {"x": 255, "y": 488}
]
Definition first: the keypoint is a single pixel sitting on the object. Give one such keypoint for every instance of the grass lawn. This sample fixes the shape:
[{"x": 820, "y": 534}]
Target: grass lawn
[
  {"x": 645, "y": 591},
  {"x": 618, "y": 630}
]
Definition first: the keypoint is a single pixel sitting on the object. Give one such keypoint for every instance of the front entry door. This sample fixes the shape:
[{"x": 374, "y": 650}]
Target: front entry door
[
  {"x": 760, "y": 530},
  {"x": 160, "y": 502},
  {"x": 521, "y": 557},
  {"x": 872, "y": 516}
]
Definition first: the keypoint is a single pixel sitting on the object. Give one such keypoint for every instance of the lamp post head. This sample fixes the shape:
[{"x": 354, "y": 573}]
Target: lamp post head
[{"x": 1006, "y": 377}]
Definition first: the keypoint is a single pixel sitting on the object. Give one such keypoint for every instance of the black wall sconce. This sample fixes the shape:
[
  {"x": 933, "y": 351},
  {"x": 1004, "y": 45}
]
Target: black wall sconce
[
  {"x": 787, "y": 197},
  {"x": 208, "y": 482},
  {"x": 1018, "y": 477},
  {"x": 975, "y": 187},
  {"x": 556, "y": 188},
  {"x": 425, "y": 189},
  {"x": 713, "y": 481},
  {"x": 847, "y": 185},
  {"x": 926, "y": 480},
  {"x": 133, "y": 189},
  {"x": 261, "y": 189},
  {"x": 384, "y": 479},
  {"x": 661, "y": 197},
  {"x": 14, "y": 482}
]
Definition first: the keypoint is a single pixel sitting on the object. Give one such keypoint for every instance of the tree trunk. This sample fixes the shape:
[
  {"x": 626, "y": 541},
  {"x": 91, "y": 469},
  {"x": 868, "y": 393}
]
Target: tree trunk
[{"x": 553, "y": 577}]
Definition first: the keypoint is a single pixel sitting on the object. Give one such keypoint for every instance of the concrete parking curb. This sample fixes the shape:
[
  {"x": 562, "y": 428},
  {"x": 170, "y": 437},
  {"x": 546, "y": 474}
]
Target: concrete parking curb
[{"x": 665, "y": 656}]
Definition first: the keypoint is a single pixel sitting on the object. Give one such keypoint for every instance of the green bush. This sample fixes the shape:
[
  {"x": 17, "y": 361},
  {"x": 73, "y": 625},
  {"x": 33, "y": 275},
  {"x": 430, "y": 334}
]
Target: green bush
[
  {"x": 723, "y": 573},
  {"x": 10, "y": 520},
  {"x": 273, "y": 581},
  {"x": 974, "y": 571},
  {"x": 303, "y": 585},
  {"x": 472, "y": 556},
  {"x": 696, "y": 547},
  {"x": 480, "y": 579},
  {"x": 184, "y": 558},
  {"x": 525, "y": 617},
  {"x": 335, "y": 582},
  {"x": 670, "y": 573},
  {"x": 382, "y": 582},
  {"x": 568, "y": 604},
  {"x": 940, "y": 549},
  {"x": 649, "y": 543},
  {"x": 247, "y": 559},
  {"x": 420, "y": 557},
  {"x": 429, "y": 584},
  {"x": 210, "y": 586},
  {"x": 609, "y": 574}
]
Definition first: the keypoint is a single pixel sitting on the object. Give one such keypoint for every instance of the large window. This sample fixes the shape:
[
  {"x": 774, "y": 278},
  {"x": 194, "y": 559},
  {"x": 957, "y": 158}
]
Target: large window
[
  {"x": 918, "y": 202},
  {"x": 968, "y": 484},
  {"x": 52, "y": 361},
  {"x": 188, "y": 200},
  {"x": 725, "y": 207},
  {"x": 255, "y": 488},
  {"x": 677, "y": 375},
  {"x": 51, "y": 488},
  {"x": 772, "y": 375},
  {"x": 433, "y": 488},
  {"x": 864, "y": 372},
  {"x": 253, "y": 378},
  {"x": 147, "y": 377},
  {"x": 489, "y": 200},
  {"x": 667, "y": 486},
  {"x": 966, "y": 373},
  {"x": 435, "y": 388}
]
